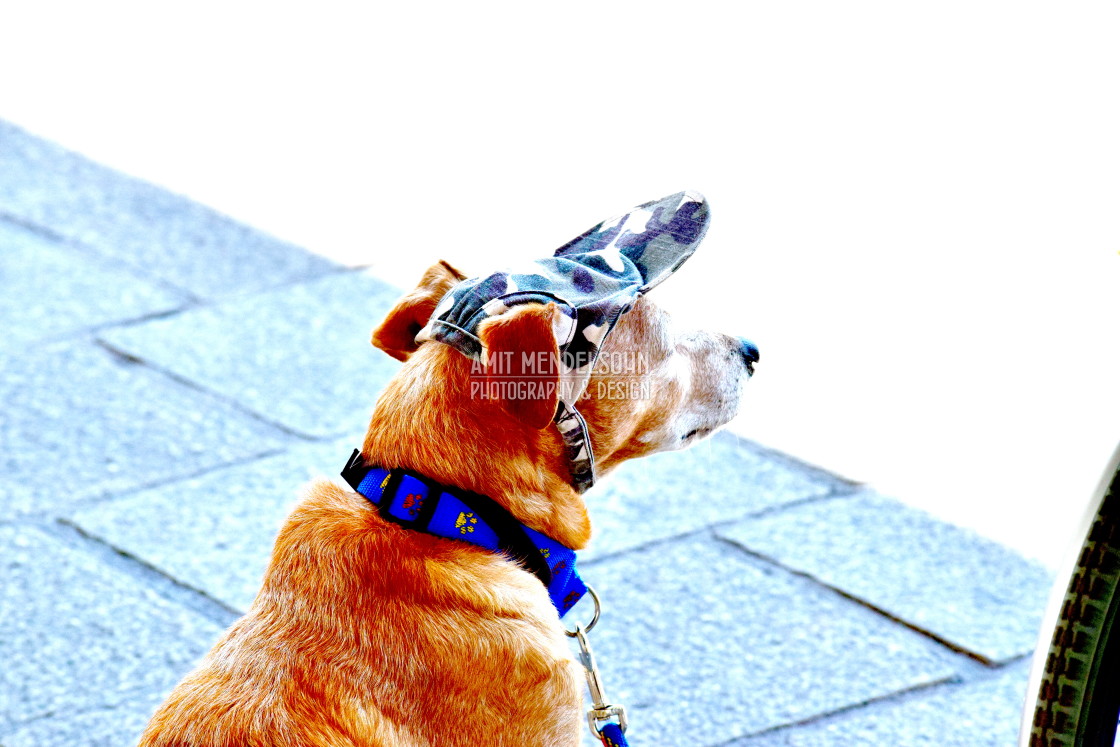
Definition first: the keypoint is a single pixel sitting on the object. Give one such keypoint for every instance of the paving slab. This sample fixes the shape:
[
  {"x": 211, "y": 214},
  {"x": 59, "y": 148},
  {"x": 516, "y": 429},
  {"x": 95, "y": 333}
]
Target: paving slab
[
  {"x": 300, "y": 356},
  {"x": 721, "y": 479},
  {"x": 118, "y": 726},
  {"x": 976, "y": 714},
  {"x": 77, "y": 637},
  {"x": 79, "y": 422},
  {"x": 967, "y": 590},
  {"x": 699, "y": 639},
  {"x": 215, "y": 532},
  {"x": 51, "y": 289},
  {"x": 154, "y": 231}
]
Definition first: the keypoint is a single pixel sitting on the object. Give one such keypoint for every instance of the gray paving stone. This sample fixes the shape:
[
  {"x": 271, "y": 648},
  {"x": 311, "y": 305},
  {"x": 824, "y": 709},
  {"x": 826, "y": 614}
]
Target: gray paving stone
[
  {"x": 977, "y": 714},
  {"x": 168, "y": 236},
  {"x": 51, "y": 289},
  {"x": 119, "y": 726},
  {"x": 77, "y": 637},
  {"x": 78, "y": 423},
  {"x": 300, "y": 356},
  {"x": 215, "y": 532},
  {"x": 965, "y": 589},
  {"x": 704, "y": 644},
  {"x": 721, "y": 479}
]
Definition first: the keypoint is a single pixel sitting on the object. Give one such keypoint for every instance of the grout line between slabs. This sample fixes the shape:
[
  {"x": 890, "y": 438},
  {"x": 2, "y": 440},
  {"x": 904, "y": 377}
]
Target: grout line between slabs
[
  {"x": 111, "y": 496},
  {"x": 154, "y": 578},
  {"x": 931, "y": 689},
  {"x": 710, "y": 528},
  {"x": 108, "y": 261},
  {"x": 928, "y": 634},
  {"x": 898, "y": 695},
  {"x": 132, "y": 360},
  {"x": 841, "y": 485}
]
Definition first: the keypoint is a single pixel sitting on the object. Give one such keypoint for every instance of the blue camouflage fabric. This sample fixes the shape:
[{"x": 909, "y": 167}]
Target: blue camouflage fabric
[{"x": 593, "y": 280}]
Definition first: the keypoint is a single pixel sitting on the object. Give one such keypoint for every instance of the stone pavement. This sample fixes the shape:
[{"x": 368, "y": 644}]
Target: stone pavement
[{"x": 170, "y": 378}]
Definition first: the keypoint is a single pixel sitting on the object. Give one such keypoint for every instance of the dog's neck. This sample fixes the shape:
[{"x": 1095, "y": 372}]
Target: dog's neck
[{"x": 427, "y": 421}]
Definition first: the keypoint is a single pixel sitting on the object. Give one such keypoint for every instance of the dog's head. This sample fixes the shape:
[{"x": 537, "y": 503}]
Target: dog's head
[
  {"x": 661, "y": 388},
  {"x": 607, "y": 369}
]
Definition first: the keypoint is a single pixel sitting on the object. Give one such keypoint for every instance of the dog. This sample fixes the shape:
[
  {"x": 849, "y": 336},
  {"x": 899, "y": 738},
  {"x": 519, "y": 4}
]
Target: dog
[{"x": 366, "y": 632}]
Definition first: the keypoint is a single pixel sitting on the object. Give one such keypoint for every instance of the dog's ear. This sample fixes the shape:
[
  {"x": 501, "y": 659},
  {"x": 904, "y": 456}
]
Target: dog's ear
[
  {"x": 522, "y": 362},
  {"x": 397, "y": 334}
]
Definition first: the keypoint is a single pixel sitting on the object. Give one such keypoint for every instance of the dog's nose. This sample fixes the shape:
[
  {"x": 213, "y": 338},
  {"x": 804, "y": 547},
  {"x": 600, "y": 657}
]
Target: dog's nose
[{"x": 749, "y": 351}]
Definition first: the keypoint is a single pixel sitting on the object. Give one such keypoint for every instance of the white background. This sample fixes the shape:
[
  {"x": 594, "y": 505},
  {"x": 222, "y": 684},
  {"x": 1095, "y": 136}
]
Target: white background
[{"x": 915, "y": 206}]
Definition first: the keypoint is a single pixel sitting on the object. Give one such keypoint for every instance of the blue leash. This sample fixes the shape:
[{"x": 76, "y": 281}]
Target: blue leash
[{"x": 612, "y": 736}]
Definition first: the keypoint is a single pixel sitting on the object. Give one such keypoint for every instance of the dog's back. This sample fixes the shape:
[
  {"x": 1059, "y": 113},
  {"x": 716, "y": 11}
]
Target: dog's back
[{"x": 367, "y": 634}]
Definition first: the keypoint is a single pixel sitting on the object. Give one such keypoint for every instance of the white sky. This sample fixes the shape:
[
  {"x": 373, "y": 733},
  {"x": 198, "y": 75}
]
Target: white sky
[{"x": 915, "y": 206}]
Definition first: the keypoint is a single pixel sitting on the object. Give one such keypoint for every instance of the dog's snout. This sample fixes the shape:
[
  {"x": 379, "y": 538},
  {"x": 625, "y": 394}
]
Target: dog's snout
[{"x": 749, "y": 351}]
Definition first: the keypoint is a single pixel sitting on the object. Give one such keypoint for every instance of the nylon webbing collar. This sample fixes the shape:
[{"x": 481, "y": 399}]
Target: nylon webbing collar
[{"x": 416, "y": 502}]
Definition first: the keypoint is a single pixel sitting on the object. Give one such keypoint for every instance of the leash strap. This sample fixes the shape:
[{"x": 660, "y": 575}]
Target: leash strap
[
  {"x": 416, "y": 502},
  {"x": 613, "y": 736}
]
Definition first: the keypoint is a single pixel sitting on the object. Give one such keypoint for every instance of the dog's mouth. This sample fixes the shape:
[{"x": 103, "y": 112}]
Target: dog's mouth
[{"x": 696, "y": 433}]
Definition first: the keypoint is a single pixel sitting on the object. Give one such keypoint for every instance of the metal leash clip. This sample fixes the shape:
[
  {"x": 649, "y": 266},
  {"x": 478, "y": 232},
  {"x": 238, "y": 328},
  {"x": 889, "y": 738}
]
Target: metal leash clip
[{"x": 601, "y": 712}]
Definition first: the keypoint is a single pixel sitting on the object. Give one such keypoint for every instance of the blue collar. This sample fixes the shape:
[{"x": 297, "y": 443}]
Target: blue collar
[{"x": 417, "y": 502}]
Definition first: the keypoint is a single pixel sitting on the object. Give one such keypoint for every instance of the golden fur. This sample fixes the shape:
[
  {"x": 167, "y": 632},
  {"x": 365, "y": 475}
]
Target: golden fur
[{"x": 365, "y": 633}]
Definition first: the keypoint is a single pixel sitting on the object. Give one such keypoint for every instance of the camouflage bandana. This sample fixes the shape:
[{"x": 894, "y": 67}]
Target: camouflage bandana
[{"x": 593, "y": 280}]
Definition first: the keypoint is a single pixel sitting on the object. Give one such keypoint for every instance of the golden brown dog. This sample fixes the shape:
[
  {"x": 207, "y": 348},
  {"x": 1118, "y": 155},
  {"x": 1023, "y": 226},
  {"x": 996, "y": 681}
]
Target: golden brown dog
[{"x": 365, "y": 633}]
